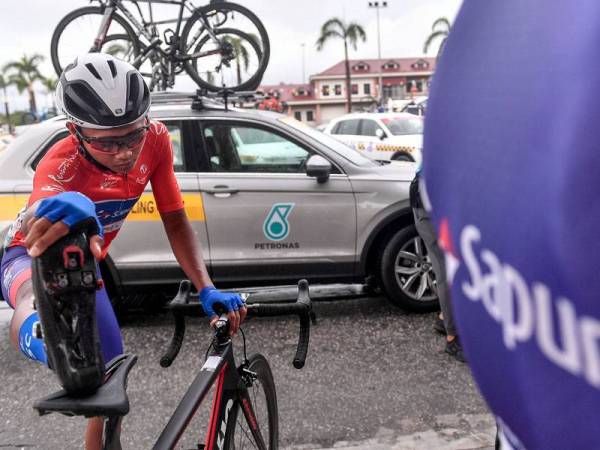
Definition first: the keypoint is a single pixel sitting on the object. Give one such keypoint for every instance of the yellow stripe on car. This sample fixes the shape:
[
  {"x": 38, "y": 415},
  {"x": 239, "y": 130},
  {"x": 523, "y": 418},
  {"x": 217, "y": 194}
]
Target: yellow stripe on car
[
  {"x": 143, "y": 211},
  {"x": 10, "y": 205}
]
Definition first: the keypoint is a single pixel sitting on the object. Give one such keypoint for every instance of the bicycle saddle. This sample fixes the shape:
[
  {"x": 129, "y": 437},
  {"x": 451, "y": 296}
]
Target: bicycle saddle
[
  {"x": 65, "y": 284},
  {"x": 109, "y": 400}
]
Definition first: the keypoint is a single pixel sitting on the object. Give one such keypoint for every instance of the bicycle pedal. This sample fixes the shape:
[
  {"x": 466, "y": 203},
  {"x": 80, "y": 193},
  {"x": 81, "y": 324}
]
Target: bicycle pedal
[{"x": 65, "y": 283}]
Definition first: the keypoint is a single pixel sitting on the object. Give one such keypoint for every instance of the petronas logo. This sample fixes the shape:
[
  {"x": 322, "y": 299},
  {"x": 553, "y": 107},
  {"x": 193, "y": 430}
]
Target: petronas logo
[{"x": 276, "y": 226}]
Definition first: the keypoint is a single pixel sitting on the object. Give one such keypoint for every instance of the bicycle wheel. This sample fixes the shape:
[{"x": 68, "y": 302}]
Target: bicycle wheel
[
  {"x": 220, "y": 69},
  {"x": 75, "y": 34},
  {"x": 247, "y": 58},
  {"x": 264, "y": 402}
]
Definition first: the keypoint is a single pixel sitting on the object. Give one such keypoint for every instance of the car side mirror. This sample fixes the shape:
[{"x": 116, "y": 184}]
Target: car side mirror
[
  {"x": 380, "y": 134},
  {"x": 318, "y": 167}
]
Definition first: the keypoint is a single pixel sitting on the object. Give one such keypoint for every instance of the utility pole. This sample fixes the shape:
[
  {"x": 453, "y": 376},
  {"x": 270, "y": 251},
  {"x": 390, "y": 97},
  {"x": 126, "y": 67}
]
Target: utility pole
[
  {"x": 303, "y": 45},
  {"x": 377, "y": 6}
]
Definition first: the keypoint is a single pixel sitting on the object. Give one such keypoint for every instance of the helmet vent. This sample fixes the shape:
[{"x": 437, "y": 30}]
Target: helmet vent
[
  {"x": 113, "y": 68},
  {"x": 93, "y": 71},
  {"x": 134, "y": 90}
]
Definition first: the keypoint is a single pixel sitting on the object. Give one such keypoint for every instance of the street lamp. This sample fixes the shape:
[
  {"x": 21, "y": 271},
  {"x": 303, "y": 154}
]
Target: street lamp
[
  {"x": 303, "y": 72},
  {"x": 377, "y": 6}
]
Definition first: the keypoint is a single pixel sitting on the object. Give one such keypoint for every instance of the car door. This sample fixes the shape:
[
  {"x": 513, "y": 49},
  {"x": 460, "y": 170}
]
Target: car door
[
  {"x": 348, "y": 131},
  {"x": 371, "y": 145},
  {"x": 267, "y": 220},
  {"x": 142, "y": 250}
]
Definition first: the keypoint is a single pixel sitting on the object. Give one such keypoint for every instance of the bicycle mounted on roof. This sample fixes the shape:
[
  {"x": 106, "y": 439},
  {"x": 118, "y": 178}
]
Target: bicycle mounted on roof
[{"x": 220, "y": 45}]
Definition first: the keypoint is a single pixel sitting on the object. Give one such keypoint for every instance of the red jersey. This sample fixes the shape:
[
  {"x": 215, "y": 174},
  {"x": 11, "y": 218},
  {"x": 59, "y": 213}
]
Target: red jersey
[{"x": 65, "y": 169}]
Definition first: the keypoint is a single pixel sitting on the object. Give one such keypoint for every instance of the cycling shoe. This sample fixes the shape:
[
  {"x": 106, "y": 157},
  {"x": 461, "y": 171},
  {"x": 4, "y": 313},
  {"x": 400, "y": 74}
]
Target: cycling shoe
[{"x": 65, "y": 284}]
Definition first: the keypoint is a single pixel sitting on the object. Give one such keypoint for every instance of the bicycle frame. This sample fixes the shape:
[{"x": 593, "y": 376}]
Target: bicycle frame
[
  {"x": 148, "y": 31},
  {"x": 219, "y": 368},
  {"x": 142, "y": 28}
]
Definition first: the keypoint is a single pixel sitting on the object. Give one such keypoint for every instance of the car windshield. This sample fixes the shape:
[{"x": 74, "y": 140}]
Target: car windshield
[
  {"x": 342, "y": 149},
  {"x": 400, "y": 126}
]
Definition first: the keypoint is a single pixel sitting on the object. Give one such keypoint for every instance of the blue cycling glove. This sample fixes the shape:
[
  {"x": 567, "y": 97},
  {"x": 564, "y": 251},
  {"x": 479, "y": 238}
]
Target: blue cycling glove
[
  {"x": 72, "y": 208},
  {"x": 209, "y": 296}
]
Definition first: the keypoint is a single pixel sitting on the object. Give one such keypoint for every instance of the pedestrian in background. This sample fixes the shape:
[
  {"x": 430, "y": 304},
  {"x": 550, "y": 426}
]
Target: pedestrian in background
[{"x": 445, "y": 321}]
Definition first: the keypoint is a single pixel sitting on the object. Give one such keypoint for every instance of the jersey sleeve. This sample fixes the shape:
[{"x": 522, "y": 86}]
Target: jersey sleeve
[{"x": 164, "y": 184}]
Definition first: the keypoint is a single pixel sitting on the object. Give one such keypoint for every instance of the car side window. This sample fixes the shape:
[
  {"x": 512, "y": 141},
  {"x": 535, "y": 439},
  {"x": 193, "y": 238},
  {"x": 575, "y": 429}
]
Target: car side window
[
  {"x": 369, "y": 127},
  {"x": 57, "y": 137},
  {"x": 349, "y": 126},
  {"x": 177, "y": 144},
  {"x": 336, "y": 128},
  {"x": 243, "y": 148}
]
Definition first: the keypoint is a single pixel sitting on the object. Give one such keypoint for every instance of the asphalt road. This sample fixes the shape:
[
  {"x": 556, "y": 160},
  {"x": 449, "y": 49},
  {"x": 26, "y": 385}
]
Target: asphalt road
[{"x": 376, "y": 378}]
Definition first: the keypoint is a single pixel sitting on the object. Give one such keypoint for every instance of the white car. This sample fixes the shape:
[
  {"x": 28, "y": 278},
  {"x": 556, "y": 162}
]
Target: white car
[{"x": 381, "y": 136}]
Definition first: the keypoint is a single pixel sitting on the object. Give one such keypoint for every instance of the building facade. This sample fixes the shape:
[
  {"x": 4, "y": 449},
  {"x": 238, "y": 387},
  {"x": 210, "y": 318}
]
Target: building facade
[{"x": 325, "y": 96}]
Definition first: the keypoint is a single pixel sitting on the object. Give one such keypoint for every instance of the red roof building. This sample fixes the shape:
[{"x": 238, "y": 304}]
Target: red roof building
[{"x": 325, "y": 96}]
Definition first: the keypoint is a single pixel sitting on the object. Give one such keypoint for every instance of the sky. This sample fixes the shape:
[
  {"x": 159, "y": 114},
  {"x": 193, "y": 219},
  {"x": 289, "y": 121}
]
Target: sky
[{"x": 26, "y": 28}]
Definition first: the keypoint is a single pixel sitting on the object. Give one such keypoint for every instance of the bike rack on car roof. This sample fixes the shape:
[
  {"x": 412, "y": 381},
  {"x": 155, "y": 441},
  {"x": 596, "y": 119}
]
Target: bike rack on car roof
[{"x": 203, "y": 99}]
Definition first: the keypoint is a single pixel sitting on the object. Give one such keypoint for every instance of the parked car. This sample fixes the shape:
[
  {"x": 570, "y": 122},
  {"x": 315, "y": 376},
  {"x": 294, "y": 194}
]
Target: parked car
[
  {"x": 271, "y": 200},
  {"x": 381, "y": 136},
  {"x": 417, "y": 107}
]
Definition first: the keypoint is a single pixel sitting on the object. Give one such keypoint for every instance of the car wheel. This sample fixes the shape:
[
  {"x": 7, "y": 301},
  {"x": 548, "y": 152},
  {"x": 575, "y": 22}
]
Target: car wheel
[
  {"x": 406, "y": 273},
  {"x": 401, "y": 156}
]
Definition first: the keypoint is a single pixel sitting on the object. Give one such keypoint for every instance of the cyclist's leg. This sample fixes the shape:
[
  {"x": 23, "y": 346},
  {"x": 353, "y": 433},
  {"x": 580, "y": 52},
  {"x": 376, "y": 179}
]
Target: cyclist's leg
[
  {"x": 109, "y": 331},
  {"x": 17, "y": 289}
]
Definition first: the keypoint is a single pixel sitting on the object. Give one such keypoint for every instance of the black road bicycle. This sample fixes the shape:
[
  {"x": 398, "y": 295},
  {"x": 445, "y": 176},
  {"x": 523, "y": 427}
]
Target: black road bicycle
[
  {"x": 244, "y": 409},
  {"x": 220, "y": 45}
]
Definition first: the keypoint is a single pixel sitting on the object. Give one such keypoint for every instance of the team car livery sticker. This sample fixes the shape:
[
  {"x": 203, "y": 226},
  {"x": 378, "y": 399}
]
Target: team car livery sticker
[{"x": 276, "y": 226}]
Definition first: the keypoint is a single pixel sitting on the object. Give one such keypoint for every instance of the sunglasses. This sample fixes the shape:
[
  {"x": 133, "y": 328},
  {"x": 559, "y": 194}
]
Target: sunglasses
[{"x": 112, "y": 145}]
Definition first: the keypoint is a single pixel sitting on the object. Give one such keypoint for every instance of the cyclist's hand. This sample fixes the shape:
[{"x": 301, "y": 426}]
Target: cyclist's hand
[
  {"x": 232, "y": 303},
  {"x": 56, "y": 216}
]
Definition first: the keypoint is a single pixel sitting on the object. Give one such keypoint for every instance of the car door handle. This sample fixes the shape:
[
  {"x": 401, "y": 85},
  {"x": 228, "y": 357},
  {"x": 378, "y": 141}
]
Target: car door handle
[{"x": 222, "y": 189}]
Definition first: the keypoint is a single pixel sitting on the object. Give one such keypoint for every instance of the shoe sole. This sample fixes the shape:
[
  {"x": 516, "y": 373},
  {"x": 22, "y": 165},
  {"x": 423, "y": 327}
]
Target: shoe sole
[{"x": 65, "y": 284}]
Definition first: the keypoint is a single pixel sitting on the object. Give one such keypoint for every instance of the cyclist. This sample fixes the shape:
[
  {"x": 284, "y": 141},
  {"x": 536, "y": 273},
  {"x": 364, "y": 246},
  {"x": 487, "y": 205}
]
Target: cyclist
[
  {"x": 515, "y": 202},
  {"x": 99, "y": 172}
]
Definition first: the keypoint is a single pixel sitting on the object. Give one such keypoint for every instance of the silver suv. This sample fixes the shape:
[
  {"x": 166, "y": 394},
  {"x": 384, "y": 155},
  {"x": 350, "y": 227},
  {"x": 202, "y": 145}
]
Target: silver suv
[{"x": 271, "y": 201}]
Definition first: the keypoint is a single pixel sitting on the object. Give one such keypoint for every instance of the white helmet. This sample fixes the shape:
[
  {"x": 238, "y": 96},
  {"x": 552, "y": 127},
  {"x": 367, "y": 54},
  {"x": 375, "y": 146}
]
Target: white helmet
[{"x": 100, "y": 91}]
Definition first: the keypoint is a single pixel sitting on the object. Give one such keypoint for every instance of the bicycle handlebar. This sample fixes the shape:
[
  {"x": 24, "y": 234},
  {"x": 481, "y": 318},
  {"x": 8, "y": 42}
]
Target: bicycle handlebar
[{"x": 181, "y": 307}]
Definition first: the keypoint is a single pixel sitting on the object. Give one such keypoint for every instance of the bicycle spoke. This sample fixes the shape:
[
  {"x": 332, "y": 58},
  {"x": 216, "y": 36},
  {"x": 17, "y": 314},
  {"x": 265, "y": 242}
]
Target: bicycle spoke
[{"x": 248, "y": 436}]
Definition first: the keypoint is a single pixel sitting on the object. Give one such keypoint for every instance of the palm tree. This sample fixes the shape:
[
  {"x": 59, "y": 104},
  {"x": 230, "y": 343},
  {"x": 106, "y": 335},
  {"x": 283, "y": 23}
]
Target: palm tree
[
  {"x": 4, "y": 83},
  {"x": 241, "y": 55},
  {"x": 50, "y": 86},
  {"x": 25, "y": 73},
  {"x": 440, "y": 28},
  {"x": 350, "y": 33}
]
